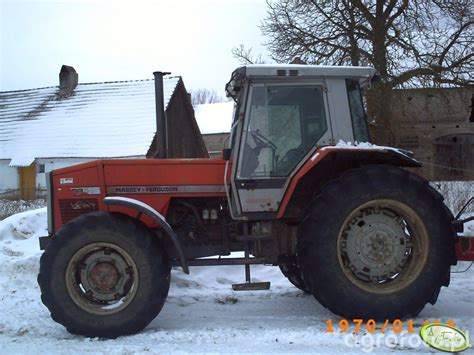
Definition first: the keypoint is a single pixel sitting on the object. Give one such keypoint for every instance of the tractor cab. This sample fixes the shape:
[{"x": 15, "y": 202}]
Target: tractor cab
[{"x": 283, "y": 114}]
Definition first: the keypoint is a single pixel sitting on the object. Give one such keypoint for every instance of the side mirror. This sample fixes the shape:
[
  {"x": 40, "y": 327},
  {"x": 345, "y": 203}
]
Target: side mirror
[{"x": 226, "y": 153}]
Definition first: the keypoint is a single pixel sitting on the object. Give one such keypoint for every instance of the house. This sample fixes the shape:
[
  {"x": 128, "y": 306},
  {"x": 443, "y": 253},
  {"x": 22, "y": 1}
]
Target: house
[
  {"x": 215, "y": 121},
  {"x": 48, "y": 128},
  {"x": 437, "y": 125}
]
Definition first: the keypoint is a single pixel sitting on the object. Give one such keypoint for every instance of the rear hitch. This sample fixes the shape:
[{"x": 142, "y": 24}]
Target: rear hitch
[{"x": 458, "y": 223}]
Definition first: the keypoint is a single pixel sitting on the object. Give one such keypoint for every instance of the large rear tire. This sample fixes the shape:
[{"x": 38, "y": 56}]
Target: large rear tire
[
  {"x": 376, "y": 243},
  {"x": 104, "y": 275},
  {"x": 292, "y": 272}
]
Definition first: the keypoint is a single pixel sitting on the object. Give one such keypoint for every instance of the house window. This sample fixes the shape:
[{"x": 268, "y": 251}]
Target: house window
[{"x": 39, "y": 168}]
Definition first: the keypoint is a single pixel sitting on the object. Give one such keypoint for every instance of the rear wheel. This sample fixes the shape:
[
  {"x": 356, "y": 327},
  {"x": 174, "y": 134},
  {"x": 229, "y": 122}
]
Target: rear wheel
[
  {"x": 292, "y": 272},
  {"x": 104, "y": 275},
  {"x": 376, "y": 243}
]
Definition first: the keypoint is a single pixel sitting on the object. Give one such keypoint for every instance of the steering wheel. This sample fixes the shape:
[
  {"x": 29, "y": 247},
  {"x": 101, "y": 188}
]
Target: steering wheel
[{"x": 261, "y": 141}]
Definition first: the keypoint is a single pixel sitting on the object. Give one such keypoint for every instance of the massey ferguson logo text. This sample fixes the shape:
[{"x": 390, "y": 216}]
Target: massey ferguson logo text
[{"x": 142, "y": 189}]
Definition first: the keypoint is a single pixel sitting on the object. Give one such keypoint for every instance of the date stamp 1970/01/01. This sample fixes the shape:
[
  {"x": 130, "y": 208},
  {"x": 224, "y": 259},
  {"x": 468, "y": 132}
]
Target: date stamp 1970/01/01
[{"x": 371, "y": 326}]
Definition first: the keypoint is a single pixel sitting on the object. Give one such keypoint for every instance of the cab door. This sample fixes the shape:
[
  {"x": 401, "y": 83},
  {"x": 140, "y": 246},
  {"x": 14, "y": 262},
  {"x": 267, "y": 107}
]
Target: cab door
[{"x": 283, "y": 125}]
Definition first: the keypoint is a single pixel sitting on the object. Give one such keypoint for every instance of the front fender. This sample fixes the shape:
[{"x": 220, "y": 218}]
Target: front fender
[{"x": 156, "y": 216}]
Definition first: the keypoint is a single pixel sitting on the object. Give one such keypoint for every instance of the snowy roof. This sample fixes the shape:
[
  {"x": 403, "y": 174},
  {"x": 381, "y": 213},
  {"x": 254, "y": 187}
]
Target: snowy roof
[
  {"x": 214, "y": 118},
  {"x": 99, "y": 120}
]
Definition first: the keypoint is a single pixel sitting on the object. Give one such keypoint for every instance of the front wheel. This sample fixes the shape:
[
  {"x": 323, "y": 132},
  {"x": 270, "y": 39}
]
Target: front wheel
[
  {"x": 376, "y": 243},
  {"x": 104, "y": 275}
]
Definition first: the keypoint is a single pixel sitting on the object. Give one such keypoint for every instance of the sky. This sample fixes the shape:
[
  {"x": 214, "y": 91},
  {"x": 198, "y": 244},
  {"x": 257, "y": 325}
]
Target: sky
[{"x": 108, "y": 40}]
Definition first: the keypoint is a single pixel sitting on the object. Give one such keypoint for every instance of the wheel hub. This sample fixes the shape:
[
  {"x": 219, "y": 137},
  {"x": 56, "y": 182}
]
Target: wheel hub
[
  {"x": 375, "y": 245},
  {"x": 101, "y": 278},
  {"x": 104, "y": 276}
]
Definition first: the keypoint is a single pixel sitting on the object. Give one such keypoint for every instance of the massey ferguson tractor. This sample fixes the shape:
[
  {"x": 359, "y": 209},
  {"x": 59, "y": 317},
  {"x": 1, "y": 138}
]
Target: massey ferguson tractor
[{"x": 346, "y": 223}]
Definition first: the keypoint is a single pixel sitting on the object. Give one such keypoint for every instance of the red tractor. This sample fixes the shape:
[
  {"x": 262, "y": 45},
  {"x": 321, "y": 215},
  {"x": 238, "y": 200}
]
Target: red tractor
[{"x": 346, "y": 223}]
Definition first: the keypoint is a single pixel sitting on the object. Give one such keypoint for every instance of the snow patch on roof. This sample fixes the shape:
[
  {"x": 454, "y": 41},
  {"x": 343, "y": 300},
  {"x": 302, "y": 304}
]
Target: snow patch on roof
[
  {"x": 214, "y": 118},
  {"x": 99, "y": 120},
  {"x": 21, "y": 161}
]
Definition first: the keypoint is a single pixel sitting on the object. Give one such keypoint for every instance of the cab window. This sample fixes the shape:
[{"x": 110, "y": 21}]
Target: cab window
[
  {"x": 284, "y": 123},
  {"x": 358, "y": 116}
]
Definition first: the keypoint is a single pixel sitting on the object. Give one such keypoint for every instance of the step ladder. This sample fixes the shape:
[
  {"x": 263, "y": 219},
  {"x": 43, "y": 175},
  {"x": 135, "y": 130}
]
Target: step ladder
[{"x": 249, "y": 285}]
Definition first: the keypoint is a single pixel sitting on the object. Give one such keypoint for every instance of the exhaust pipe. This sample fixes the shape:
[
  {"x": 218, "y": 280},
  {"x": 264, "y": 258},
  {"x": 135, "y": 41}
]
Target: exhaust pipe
[{"x": 161, "y": 126}]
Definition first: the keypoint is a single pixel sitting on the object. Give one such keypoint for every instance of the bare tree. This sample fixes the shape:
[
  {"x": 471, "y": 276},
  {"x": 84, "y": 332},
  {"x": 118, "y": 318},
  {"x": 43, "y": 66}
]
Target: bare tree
[
  {"x": 245, "y": 56},
  {"x": 204, "y": 96},
  {"x": 410, "y": 43}
]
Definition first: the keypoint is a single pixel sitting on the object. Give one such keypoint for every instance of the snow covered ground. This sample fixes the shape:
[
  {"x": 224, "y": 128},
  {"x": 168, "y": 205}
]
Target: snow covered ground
[{"x": 202, "y": 313}]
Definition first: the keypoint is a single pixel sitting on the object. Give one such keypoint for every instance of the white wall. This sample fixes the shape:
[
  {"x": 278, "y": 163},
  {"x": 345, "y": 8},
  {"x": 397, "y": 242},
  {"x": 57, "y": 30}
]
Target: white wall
[{"x": 8, "y": 177}]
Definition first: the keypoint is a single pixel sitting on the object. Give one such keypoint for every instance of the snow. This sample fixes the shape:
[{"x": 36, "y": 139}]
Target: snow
[
  {"x": 202, "y": 313},
  {"x": 20, "y": 160},
  {"x": 214, "y": 118},
  {"x": 94, "y": 122},
  {"x": 356, "y": 146}
]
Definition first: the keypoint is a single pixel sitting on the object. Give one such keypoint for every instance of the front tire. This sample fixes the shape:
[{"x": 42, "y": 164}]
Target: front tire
[
  {"x": 104, "y": 275},
  {"x": 376, "y": 243}
]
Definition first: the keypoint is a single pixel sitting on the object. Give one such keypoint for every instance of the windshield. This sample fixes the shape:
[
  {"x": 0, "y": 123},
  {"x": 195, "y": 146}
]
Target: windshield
[{"x": 284, "y": 123}]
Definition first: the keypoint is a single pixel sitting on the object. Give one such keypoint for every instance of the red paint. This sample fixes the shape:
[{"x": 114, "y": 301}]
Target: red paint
[
  {"x": 137, "y": 172},
  {"x": 165, "y": 172},
  {"x": 311, "y": 163},
  {"x": 463, "y": 253}
]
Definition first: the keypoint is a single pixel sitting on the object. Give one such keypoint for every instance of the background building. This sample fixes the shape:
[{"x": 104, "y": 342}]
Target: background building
[
  {"x": 49, "y": 128},
  {"x": 438, "y": 126}
]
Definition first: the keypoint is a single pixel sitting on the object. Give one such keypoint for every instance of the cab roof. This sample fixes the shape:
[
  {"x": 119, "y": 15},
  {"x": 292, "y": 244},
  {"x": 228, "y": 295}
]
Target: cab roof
[
  {"x": 259, "y": 70},
  {"x": 290, "y": 71}
]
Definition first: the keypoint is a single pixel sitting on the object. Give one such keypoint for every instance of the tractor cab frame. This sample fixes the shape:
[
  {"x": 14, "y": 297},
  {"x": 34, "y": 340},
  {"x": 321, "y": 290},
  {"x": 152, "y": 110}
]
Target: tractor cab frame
[{"x": 283, "y": 114}]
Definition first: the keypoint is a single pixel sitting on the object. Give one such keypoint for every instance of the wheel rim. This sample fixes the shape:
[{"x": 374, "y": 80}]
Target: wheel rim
[
  {"x": 102, "y": 278},
  {"x": 382, "y": 246}
]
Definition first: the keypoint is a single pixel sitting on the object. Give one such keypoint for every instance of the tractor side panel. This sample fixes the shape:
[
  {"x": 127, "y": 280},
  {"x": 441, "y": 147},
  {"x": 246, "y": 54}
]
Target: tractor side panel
[
  {"x": 156, "y": 182},
  {"x": 152, "y": 181}
]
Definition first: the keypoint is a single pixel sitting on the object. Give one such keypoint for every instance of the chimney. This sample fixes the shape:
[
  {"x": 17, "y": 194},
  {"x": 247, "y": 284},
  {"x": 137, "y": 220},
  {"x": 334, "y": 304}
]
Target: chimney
[
  {"x": 161, "y": 126},
  {"x": 68, "y": 79}
]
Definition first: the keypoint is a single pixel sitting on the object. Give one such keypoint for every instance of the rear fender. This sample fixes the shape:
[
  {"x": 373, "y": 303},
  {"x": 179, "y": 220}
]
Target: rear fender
[
  {"x": 156, "y": 216},
  {"x": 327, "y": 163}
]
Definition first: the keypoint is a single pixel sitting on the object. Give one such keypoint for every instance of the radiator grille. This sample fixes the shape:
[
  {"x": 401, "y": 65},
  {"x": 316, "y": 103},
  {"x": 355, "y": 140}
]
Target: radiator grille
[{"x": 71, "y": 208}]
